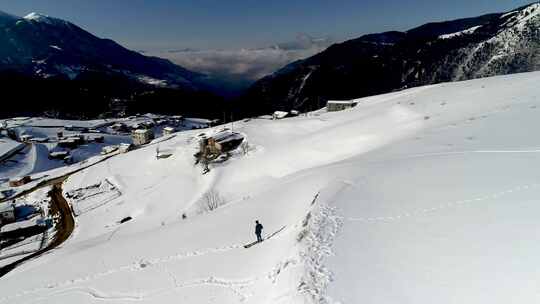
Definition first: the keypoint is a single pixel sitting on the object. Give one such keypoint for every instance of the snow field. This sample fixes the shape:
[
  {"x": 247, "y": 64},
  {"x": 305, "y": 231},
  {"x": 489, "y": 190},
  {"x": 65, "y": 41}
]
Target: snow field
[{"x": 425, "y": 195}]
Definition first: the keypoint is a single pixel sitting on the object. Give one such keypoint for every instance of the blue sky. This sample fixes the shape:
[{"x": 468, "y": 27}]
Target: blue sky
[{"x": 203, "y": 24}]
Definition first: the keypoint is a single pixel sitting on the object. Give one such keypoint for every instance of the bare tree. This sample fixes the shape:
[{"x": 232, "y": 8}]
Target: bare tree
[
  {"x": 211, "y": 200},
  {"x": 245, "y": 147}
]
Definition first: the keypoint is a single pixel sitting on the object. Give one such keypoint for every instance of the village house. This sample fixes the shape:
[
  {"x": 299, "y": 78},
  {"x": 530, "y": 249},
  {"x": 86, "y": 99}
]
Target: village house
[
  {"x": 168, "y": 131},
  {"x": 7, "y": 213},
  {"x": 125, "y": 147},
  {"x": 340, "y": 105},
  {"x": 108, "y": 150},
  {"x": 142, "y": 136}
]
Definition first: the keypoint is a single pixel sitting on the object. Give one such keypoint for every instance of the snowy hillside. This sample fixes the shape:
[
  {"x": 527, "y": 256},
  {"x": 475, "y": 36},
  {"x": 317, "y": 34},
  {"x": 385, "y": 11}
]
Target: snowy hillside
[{"x": 427, "y": 195}]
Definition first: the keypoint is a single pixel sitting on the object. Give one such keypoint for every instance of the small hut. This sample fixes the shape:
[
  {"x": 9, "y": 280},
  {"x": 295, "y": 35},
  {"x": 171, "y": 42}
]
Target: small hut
[
  {"x": 168, "y": 131},
  {"x": 340, "y": 105}
]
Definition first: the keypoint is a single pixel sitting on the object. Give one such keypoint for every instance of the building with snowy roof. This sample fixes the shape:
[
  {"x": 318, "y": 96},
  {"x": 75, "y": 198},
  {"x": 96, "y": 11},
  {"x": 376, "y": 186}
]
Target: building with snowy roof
[
  {"x": 142, "y": 136},
  {"x": 168, "y": 131},
  {"x": 340, "y": 105}
]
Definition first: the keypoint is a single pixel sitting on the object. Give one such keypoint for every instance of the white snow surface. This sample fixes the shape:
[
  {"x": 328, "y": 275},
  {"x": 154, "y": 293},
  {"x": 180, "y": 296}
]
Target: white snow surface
[{"x": 428, "y": 195}]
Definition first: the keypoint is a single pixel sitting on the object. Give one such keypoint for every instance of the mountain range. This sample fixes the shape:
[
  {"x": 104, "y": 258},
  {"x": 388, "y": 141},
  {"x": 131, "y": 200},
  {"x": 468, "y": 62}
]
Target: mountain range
[
  {"x": 63, "y": 62},
  {"x": 52, "y": 66},
  {"x": 487, "y": 45}
]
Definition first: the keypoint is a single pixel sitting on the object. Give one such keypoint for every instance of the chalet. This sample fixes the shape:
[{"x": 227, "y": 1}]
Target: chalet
[
  {"x": 7, "y": 213},
  {"x": 340, "y": 105},
  {"x": 19, "y": 181},
  {"x": 168, "y": 131},
  {"x": 142, "y": 136},
  {"x": 211, "y": 148}
]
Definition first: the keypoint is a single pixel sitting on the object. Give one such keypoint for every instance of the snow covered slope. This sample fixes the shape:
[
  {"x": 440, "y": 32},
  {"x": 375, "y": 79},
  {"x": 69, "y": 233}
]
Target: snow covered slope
[{"x": 425, "y": 195}]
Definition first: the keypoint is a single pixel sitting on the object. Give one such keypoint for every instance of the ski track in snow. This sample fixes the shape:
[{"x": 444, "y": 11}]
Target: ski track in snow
[
  {"x": 140, "y": 265},
  {"x": 322, "y": 229},
  {"x": 235, "y": 286},
  {"x": 442, "y": 206}
]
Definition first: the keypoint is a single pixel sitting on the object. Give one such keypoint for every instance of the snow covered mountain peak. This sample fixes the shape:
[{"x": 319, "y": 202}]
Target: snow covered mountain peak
[
  {"x": 461, "y": 49},
  {"x": 32, "y": 44},
  {"x": 36, "y": 17},
  {"x": 40, "y": 18}
]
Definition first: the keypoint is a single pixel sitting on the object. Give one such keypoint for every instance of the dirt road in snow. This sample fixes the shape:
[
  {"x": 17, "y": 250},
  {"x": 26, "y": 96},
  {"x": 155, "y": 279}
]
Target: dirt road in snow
[{"x": 60, "y": 209}]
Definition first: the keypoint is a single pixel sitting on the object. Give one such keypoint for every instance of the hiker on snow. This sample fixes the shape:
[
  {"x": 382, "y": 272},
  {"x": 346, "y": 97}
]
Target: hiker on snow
[{"x": 258, "y": 230}]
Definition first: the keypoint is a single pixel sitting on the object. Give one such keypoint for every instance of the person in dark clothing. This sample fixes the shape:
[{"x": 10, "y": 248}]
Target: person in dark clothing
[{"x": 258, "y": 230}]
